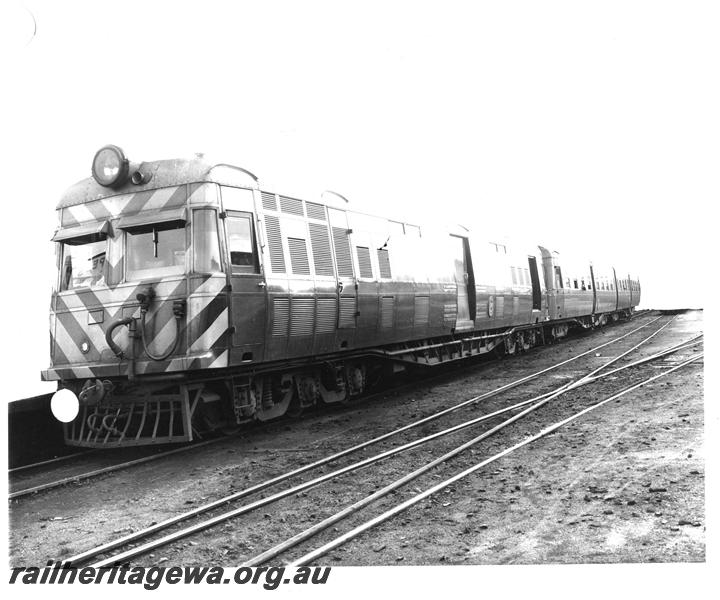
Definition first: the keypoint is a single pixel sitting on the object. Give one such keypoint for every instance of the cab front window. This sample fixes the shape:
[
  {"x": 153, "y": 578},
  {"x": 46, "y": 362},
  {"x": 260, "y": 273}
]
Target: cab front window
[
  {"x": 83, "y": 265},
  {"x": 156, "y": 250}
]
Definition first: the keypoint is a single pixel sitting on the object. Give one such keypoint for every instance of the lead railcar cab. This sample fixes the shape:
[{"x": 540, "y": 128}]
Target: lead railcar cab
[{"x": 187, "y": 296}]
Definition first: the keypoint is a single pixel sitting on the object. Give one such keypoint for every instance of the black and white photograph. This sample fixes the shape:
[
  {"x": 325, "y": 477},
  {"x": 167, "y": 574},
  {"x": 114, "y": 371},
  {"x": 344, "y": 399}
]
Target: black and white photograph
[{"x": 360, "y": 297}]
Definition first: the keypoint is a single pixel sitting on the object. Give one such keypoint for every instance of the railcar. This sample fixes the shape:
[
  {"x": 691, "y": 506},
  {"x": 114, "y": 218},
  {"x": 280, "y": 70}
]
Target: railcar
[{"x": 188, "y": 298}]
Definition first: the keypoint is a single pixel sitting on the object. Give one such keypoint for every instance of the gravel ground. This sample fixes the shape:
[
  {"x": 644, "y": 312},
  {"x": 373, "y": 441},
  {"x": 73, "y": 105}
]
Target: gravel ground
[{"x": 624, "y": 483}]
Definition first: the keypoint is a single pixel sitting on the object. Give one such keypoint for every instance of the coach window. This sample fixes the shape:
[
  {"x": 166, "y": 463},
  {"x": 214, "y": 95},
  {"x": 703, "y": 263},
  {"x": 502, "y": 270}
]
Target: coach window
[
  {"x": 205, "y": 241},
  {"x": 241, "y": 243}
]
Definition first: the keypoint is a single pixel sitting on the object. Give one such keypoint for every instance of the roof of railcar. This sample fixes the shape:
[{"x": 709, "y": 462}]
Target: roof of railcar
[{"x": 162, "y": 173}]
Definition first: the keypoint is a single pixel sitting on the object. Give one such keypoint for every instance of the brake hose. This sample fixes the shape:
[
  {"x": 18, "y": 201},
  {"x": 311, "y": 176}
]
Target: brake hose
[
  {"x": 108, "y": 335},
  {"x": 172, "y": 348}
]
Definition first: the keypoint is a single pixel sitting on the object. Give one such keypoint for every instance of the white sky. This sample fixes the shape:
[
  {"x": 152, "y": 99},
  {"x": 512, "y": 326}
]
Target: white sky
[{"x": 575, "y": 125}]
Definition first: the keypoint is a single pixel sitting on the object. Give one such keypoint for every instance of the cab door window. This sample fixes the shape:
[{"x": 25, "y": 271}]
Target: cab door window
[
  {"x": 241, "y": 243},
  {"x": 206, "y": 242}
]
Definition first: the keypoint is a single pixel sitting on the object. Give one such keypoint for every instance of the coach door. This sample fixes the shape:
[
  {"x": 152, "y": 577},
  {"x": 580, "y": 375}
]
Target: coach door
[
  {"x": 594, "y": 289},
  {"x": 346, "y": 284},
  {"x": 617, "y": 289},
  {"x": 535, "y": 281},
  {"x": 463, "y": 271}
]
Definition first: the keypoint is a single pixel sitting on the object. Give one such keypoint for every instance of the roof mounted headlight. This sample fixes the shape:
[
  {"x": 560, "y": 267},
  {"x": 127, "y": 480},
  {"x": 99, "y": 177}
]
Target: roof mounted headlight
[{"x": 110, "y": 167}]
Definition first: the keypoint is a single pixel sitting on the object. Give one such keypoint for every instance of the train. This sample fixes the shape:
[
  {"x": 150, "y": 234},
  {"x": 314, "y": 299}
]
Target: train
[{"x": 190, "y": 298}]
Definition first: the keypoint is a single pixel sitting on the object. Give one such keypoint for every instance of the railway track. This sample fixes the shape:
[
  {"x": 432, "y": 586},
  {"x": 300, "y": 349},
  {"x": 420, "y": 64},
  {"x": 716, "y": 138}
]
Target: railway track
[
  {"x": 27, "y": 490},
  {"x": 160, "y": 527},
  {"x": 323, "y": 549},
  {"x": 50, "y": 461},
  {"x": 21, "y": 484}
]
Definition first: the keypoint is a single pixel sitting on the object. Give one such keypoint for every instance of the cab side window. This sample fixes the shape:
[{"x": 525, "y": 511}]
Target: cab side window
[{"x": 241, "y": 243}]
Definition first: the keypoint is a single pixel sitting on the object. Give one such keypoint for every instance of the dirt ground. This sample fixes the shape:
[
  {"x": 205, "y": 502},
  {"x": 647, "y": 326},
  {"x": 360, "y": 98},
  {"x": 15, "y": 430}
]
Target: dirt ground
[{"x": 624, "y": 483}]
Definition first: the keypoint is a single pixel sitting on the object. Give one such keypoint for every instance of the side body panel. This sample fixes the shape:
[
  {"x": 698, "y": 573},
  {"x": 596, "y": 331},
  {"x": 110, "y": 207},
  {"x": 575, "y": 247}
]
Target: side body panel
[{"x": 340, "y": 280}]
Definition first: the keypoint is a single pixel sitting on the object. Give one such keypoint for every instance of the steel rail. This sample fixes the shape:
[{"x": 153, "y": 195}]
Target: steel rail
[
  {"x": 624, "y": 354},
  {"x": 681, "y": 346},
  {"x": 310, "y": 532},
  {"x": 279, "y": 479},
  {"x": 282, "y": 494},
  {"x": 48, "y": 462},
  {"x": 314, "y": 554},
  {"x": 258, "y": 487},
  {"x": 80, "y": 477}
]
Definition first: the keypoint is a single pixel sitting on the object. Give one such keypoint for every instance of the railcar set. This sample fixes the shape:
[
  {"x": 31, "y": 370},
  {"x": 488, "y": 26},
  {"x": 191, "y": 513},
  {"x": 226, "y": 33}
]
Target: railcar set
[{"x": 189, "y": 298}]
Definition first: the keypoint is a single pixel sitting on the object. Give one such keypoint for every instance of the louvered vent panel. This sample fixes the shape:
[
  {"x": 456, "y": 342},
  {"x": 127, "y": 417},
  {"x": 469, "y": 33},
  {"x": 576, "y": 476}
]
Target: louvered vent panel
[
  {"x": 299, "y": 256},
  {"x": 315, "y": 211},
  {"x": 277, "y": 260},
  {"x": 292, "y": 206},
  {"x": 303, "y": 316},
  {"x": 326, "y": 315},
  {"x": 384, "y": 262},
  {"x": 322, "y": 254},
  {"x": 281, "y": 316},
  {"x": 348, "y": 308},
  {"x": 422, "y": 310},
  {"x": 364, "y": 263},
  {"x": 387, "y": 306},
  {"x": 342, "y": 252},
  {"x": 268, "y": 201}
]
